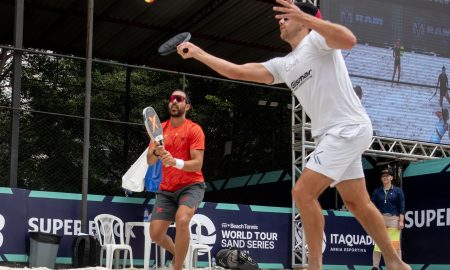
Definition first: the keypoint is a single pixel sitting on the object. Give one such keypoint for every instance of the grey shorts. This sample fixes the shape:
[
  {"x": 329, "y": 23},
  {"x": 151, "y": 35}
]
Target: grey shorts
[{"x": 167, "y": 202}]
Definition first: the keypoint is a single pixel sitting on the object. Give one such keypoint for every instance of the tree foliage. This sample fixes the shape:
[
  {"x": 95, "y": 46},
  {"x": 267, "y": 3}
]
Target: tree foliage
[{"x": 241, "y": 136}]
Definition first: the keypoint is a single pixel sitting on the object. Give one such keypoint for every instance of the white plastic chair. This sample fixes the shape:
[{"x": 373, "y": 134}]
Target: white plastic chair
[
  {"x": 195, "y": 245},
  {"x": 110, "y": 233}
]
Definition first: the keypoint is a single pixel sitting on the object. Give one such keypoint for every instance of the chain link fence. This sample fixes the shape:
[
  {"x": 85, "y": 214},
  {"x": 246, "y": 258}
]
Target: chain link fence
[{"x": 247, "y": 128}]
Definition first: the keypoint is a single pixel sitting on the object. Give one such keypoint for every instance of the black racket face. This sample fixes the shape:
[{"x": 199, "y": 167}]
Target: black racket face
[
  {"x": 153, "y": 124},
  {"x": 170, "y": 46}
]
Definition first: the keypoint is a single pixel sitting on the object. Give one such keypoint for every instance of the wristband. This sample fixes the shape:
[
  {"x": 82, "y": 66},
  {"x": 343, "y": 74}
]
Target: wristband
[
  {"x": 154, "y": 153},
  {"x": 179, "y": 163}
]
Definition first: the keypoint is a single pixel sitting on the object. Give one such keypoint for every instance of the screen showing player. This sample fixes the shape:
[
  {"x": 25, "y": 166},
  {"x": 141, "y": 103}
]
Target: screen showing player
[{"x": 400, "y": 64}]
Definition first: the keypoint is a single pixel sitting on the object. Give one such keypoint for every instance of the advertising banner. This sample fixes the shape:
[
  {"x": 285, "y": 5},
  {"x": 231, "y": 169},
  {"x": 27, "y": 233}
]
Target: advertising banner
[
  {"x": 345, "y": 241},
  {"x": 427, "y": 219},
  {"x": 264, "y": 232}
]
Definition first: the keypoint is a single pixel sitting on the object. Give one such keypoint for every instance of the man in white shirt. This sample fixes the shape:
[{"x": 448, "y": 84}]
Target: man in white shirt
[{"x": 315, "y": 71}]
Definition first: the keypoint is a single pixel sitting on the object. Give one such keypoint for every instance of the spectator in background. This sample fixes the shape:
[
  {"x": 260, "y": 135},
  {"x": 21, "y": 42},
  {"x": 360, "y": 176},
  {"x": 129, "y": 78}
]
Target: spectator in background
[
  {"x": 441, "y": 126},
  {"x": 397, "y": 53},
  {"x": 390, "y": 200},
  {"x": 358, "y": 91},
  {"x": 442, "y": 83}
]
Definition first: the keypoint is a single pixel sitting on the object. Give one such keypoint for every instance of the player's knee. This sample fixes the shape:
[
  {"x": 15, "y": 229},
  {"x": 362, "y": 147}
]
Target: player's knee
[
  {"x": 156, "y": 235},
  {"x": 301, "y": 197},
  {"x": 355, "y": 205},
  {"x": 182, "y": 221},
  {"x": 351, "y": 206}
]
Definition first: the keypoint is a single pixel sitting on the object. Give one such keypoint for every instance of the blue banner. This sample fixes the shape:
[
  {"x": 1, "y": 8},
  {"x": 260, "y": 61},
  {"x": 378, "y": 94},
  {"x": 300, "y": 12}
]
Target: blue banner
[
  {"x": 345, "y": 241},
  {"x": 265, "y": 232},
  {"x": 427, "y": 219}
]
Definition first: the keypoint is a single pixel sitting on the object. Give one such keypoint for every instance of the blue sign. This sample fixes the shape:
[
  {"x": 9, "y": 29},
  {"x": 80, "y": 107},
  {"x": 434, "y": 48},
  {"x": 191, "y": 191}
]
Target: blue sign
[
  {"x": 427, "y": 218},
  {"x": 345, "y": 241},
  {"x": 264, "y": 232}
]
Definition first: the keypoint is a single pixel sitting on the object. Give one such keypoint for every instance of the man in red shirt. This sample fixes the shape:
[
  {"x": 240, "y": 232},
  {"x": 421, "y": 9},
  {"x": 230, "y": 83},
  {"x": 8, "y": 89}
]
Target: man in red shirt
[{"x": 182, "y": 187}]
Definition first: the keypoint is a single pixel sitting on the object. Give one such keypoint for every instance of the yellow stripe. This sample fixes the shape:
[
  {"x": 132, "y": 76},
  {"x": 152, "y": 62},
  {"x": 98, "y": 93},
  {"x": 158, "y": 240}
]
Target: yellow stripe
[{"x": 394, "y": 235}]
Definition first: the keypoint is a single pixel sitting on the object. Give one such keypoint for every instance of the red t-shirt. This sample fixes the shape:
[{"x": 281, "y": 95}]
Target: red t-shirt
[{"x": 179, "y": 141}]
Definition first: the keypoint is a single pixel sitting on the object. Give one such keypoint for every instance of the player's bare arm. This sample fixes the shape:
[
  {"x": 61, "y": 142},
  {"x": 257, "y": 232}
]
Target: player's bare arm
[
  {"x": 193, "y": 165},
  {"x": 336, "y": 35},
  {"x": 253, "y": 72}
]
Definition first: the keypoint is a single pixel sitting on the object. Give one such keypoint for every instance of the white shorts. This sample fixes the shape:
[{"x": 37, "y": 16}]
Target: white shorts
[{"x": 339, "y": 152}]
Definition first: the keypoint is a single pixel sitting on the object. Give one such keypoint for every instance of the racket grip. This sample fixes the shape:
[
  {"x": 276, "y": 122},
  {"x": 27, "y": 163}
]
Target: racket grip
[{"x": 185, "y": 50}]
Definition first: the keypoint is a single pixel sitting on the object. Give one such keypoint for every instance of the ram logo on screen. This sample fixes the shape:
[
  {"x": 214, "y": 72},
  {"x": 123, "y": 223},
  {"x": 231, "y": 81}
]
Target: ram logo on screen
[
  {"x": 347, "y": 17},
  {"x": 418, "y": 29}
]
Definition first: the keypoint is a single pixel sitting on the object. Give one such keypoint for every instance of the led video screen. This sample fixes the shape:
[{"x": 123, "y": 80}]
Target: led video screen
[{"x": 400, "y": 63}]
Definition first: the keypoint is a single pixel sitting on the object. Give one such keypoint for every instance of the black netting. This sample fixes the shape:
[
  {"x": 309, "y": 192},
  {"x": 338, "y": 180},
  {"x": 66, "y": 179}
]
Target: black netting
[{"x": 247, "y": 128}]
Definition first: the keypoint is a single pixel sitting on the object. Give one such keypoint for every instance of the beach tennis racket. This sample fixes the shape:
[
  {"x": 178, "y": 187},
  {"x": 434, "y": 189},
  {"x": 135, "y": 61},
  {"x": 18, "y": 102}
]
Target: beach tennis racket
[
  {"x": 153, "y": 125},
  {"x": 435, "y": 92},
  {"x": 170, "y": 46}
]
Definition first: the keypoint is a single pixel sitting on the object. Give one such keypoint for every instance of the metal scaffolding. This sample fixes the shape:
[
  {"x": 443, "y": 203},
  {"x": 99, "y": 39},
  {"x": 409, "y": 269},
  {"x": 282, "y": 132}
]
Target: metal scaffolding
[{"x": 303, "y": 145}]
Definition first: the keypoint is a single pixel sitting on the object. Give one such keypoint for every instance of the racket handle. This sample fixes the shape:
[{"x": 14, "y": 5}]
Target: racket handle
[{"x": 185, "y": 50}]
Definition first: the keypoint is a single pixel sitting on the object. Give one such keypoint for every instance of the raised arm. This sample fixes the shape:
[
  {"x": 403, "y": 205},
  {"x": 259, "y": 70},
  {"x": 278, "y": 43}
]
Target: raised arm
[
  {"x": 253, "y": 72},
  {"x": 336, "y": 35}
]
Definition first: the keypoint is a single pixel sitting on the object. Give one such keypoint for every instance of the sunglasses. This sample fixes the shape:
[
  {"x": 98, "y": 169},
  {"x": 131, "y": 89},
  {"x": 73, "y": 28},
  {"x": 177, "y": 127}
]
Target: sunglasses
[{"x": 178, "y": 98}]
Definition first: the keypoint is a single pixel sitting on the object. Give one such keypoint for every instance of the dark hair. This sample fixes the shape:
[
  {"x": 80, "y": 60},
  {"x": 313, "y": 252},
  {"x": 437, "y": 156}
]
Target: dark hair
[
  {"x": 358, "y": 91},
  {"x": 308, "y": 8},
  {"x": 387, "y": 171},
  {"x": 188, "y": 100}
]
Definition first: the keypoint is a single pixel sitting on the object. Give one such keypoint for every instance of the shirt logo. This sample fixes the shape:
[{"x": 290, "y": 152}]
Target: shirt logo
[{"x": 301, "y": 80}]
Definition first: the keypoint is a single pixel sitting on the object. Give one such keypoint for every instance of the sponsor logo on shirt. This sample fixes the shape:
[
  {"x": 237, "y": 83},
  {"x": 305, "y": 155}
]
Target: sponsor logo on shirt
[{"x": 301, "y": 80}]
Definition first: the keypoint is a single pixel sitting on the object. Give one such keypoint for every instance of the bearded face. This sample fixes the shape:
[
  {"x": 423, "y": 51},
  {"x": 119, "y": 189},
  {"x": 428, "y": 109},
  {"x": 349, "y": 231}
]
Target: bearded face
[
  {"x": 177, "y": 104},
  {"x": 176, "y": 109}
]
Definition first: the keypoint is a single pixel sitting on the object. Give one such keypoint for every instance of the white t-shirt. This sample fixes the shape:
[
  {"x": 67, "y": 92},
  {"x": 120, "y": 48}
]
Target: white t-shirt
[{"x": 319, "y": 79}]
